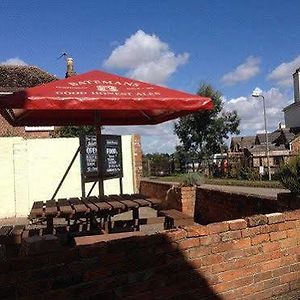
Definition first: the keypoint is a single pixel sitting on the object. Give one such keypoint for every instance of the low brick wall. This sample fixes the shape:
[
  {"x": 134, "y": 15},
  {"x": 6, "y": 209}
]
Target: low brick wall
[
  {"x": 208, "y": 205},
  {"x": 168, "y": 193},
  {"x": 215, "y": 206},
  {"x": 253, "y": 258}
]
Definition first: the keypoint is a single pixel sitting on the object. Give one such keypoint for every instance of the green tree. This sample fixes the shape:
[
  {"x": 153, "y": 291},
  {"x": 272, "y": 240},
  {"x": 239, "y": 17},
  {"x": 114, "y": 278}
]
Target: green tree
[
  {"x": 73, "y": 131},
  {"x": 205, "y": 132},
  {"x": 156, "y": 164}
]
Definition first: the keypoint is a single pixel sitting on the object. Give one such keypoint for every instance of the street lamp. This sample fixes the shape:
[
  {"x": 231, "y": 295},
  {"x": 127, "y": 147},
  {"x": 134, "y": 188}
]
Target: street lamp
[{"x": 257, "y": 94}]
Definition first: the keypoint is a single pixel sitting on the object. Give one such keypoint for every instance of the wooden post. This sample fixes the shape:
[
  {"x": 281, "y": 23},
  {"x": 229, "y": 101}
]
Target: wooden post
[{"x": 100, "y": 179}]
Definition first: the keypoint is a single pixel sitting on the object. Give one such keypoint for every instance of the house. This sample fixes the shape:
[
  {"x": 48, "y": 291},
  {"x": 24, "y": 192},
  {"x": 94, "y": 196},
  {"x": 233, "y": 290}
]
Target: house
[
  {"x": 16, "y": 78},
  {"x": 250, "y": 151}
]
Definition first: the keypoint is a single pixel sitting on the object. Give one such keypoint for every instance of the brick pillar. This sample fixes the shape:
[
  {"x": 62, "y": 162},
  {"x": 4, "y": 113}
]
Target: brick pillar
[
  {"x": 188, "y": 200},
  {"x": 137, "y": 161}
]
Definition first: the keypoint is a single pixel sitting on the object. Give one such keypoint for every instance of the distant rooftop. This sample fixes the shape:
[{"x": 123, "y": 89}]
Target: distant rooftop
[{"x": 15, "y": 78}]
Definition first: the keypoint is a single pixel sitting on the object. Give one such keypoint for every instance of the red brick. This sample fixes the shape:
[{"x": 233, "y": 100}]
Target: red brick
[
  {"x": 217, "y": 227},
  {"x": 295, "y": 267},
  {"x": 256, "y": 220},
  {"x": 250, "y": 231},
  {"x": 195, "y": 231},
  {"x": 271, "y": 283},
  {"x": 188, "y": 243},
  {"x": 175, "y": 235},
  {"x": 280, "y": 271},
  {"x": 198, "y": 252},
  {"x": 290, "y": 277},
  {"x": 292, "y": 215},
  {"x": 225, "y": 286},
  {"x": 275, "y": 236},
  {"x": 241, "y": 244},
  {"x": 237, "y": 224},
  {"x": 286, "y": 225},
  {"x": 294, "y": 233},
  {"x": 228, "y": 265},
  {"x": 269, "y": 228},
  {"x": 222, "y": 247},
  {"x": 288, "y": 243},
  {"x": 196, "y": 263},
  {"x": 295, "y": 285},
  {"x": 280, "y": 290},
  {"x": 230, "y": 235},
  {"x": 270, "y": 247},
  {"x": 233, "y": 254},
  {"x": 212, "y": 259},
  {"x": 205, "y": 240},
  {"x": 261, "y": 276},
  {"x": 259, "y": 239},
  {"x": 271, "y": 265},
  {"x": 239, "y": 273},
  {"x": 275, "y": 218}
]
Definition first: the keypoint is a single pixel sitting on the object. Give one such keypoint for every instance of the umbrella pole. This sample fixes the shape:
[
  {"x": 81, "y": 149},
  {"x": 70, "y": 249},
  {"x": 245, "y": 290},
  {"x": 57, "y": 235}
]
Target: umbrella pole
[{"x": 100, "y": 180}]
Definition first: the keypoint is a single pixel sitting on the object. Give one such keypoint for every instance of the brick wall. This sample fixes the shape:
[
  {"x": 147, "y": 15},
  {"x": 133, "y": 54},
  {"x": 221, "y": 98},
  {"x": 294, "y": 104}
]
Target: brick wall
[
  {"x": 208, "y": 205},
  {"x": 215, "y": 206},
  {"x": 8, "y": 130},
  {"x": 137, "y": 160},
  {"x": 253, "y": 258},
  {"x": 168, "y": 193}
]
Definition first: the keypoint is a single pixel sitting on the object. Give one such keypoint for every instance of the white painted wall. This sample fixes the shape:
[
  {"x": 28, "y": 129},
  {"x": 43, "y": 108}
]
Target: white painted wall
[{"x": 30, "y": 170}]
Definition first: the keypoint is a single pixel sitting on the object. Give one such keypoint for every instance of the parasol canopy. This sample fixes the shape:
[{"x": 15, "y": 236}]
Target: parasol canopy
[{"x": 98, "y": 98}]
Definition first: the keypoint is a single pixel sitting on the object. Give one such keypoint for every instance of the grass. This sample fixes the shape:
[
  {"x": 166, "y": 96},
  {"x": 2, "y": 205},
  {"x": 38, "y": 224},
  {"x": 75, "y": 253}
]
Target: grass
[{"x": 224, "y": 181}]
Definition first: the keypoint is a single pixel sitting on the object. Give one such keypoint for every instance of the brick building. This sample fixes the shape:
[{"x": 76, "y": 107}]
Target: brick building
[
  {"x": 251, "y": 150},
  {"x": 16, "y": 78}
]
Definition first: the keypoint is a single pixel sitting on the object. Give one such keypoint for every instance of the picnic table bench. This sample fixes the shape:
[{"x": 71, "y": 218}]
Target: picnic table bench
[{"x": 90, "y": 208}]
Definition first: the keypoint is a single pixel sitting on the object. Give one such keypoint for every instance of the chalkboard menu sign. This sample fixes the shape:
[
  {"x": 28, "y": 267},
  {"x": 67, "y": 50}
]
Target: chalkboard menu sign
[
  {"x": 88, "y": 151},
  {"x": 110, "y": 157}
]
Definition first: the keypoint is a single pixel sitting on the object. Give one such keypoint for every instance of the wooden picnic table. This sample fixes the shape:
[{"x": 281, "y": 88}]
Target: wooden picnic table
[{"x": 90, "y": 207}]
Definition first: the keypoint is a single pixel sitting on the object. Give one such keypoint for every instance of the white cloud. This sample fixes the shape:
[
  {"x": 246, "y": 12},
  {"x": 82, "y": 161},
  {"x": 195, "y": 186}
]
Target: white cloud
[
  {"x": 250, "y": 110},
  {"x": 155, "y": 138},
  {"x": 243, "y": 72},
  {"x": 146, "y": 58},
  {"x": 15, "y": 61},
  {"x": 283, "y": 73}
]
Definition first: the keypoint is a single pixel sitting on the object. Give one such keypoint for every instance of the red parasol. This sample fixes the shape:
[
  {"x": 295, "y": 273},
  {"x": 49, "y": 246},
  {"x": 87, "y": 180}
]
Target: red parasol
[{"x": 98, "y": 98}]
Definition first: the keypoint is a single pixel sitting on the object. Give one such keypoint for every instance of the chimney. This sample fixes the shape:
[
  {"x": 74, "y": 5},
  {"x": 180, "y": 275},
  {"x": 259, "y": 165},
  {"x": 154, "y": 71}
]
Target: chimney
[
  {"x": 296, "y": 76},
  {"x": 70, "y": 67}
]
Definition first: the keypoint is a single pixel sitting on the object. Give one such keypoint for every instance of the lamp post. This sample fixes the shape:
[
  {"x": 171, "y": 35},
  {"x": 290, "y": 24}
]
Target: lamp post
[{"x": 257, "y": 95}]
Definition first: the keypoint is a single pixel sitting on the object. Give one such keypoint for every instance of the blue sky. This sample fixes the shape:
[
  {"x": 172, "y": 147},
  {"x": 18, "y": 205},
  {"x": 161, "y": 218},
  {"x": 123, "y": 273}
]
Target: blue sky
[{"x": 234, "y": 45}]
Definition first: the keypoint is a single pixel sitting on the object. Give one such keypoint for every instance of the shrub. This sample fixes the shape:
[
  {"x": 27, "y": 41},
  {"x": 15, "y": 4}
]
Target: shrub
[
  {"x": 289, "y": 175},
  {"x": 191, "y": 179}
]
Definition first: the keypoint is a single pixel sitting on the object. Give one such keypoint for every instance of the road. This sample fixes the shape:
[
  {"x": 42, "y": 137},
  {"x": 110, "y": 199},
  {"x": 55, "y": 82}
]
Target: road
[{"x": 268, "y": 192}]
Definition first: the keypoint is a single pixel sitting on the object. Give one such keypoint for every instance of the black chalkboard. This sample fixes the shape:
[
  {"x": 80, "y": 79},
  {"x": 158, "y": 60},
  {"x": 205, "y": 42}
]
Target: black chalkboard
[
  {"x": 88, "y": 153},
  {"x": 111, "y": 156}
]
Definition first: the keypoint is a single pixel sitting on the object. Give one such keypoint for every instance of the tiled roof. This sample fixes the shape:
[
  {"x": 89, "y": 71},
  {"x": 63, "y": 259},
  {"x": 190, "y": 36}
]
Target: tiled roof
[{"x": 14, "y": 78}]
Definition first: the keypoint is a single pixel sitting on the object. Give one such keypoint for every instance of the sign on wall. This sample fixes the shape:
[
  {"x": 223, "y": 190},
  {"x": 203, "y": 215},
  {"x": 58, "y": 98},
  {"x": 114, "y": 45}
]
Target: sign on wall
[{"x": 110, "y": 157}]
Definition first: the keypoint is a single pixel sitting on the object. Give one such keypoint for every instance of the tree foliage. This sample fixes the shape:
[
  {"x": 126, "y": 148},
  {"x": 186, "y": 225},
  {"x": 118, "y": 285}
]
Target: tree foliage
[
  {"x": 74, "y": 131},
  {"x": 157, "y": 164},
  {"x": 289, "y": 175},
  {"x": 204, "y": 133}
]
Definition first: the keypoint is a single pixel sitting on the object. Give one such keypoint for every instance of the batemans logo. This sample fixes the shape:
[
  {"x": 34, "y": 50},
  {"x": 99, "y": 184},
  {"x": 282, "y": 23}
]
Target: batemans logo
[{"x": 107, "y": 88}]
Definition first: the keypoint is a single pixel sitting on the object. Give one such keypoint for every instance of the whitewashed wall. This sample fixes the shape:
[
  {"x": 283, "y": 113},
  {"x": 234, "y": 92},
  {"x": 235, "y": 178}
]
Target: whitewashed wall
[{"x": 30, "y": 170}]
